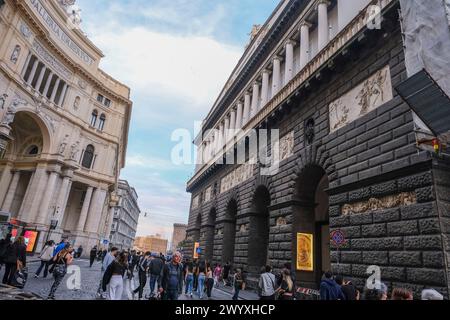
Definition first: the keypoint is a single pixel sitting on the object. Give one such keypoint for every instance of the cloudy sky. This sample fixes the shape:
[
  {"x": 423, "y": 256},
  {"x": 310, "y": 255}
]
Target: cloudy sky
[{"x": 175, "y": 55}]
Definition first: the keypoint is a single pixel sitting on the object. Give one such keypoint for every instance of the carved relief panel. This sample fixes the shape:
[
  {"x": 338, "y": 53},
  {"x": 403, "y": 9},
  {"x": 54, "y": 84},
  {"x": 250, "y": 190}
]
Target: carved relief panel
[
  {"x": 236, "y": 177},
  {"x": 364, "y": 98}
]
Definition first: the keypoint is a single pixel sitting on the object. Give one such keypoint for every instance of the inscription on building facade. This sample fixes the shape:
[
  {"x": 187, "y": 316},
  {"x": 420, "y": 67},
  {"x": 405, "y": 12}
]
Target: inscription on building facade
[
  {"x": 361, "y": 100},
  {"x": 373, "y": 204},
  {"x": 59, "y": 33},
  {"x": 51, "y": 60}
]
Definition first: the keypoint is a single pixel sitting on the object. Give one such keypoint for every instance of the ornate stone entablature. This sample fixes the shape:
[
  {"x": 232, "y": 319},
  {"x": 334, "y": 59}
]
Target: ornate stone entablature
[
  {"x": 236, "y": 177},
  {"x": 51, "y": 60},
  {"x": 364, "y": 98},
  {"x": 387, "y": 202}
]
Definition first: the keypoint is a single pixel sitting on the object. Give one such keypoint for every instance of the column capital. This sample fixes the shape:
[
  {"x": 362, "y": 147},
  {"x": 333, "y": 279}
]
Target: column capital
[
  {"x": 265, "y": 70},
  {"x": 277, "y": 58},
  {"x": 305, "y": 24},
  {"x": 327, "y": 2},
  {"x": 256, "y": 83},
  {"x": 290, "y": 42}
]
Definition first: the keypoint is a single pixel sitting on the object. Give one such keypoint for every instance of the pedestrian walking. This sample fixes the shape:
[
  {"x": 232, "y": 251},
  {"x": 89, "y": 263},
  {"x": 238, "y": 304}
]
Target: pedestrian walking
[
  {"x": 189, "y": 280},
  {"x": 113, "y": 277},
  {"x": 171, "y": 283},
  {"x": 196, "y": 272},
  {"x": 402, "y": 294},
  {"x": 79, "y": 252},
  {"x": 329, "y": 289},
  {"x": 4, "y": 244},
  {"x": 286, "y": 289},
  {"x": 15, "y": 259},
  {"x": 62, "y": 245},
  {"x": 58, "y": 268},
  {"x": 226, "y": 273},
  {"x": 92, "y": 256},
  {"x": 267, "y": 284},
  {"x": 143, "y": 267},
  {"x": 217, "y": 274},
  {"x": 45, "y": 256},
  {"x": 347, "y": 287},
  {"x": 109, "y": 258},
  {"x": 155, "y": 269},
  {"x": 209, "y": 281},
  {"x": 238, "y": 283},
  {"x": 201, "y": 282}
]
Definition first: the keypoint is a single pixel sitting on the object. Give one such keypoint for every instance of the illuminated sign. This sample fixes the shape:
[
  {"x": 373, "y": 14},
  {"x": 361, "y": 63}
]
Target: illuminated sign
[{"x": 305, "y": 252}]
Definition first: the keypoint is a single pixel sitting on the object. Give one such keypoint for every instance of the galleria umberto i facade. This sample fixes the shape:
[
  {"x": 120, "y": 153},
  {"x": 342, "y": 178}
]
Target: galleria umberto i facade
[
  {"x": 325, "y": 73},
  {"x": 64, "y": 125}
]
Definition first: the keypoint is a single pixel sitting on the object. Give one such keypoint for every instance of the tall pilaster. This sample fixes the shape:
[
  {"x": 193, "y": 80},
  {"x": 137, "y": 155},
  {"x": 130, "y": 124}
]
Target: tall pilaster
[
  {"x": 246, "y": 116},
  {"x": 239, "y": 115},
  {"x": 63, "y": 196},
  {"x": 227, "y": 129},
  {"x": 232, "y": 123},
  {"x": 7, "y": 203},
  {"x": 85, "y": 209},
  {"x": 324, "y": 28},
  {"x": 96, "y": 210},
  {"x": 276, "y": 76},
  {"x": 33, "y": 196},
  {"x": 289, "y": 70},
  {"x": 5, "y": 181}
]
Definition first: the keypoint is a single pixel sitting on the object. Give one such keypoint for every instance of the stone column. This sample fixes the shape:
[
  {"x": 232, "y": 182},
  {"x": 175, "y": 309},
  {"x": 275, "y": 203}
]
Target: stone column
[
  {"x": 222, "y": 135},
  {"x": 47, "y": 196},
  {"x": 25, "y": 68},
  {"x": 63, "y": 93},
  {"x": 239, "y": 114},
  {"x": 7, "y": 203},
  {"x": 41, "y": 77},
  {"x": 289, "y": 72},
  {"x": 33, "y": 71},
  {"x": 324, "y": 29},
  {"x": 63, "y": 197},
  {"x": 85, "y": 209},
  {"x": 276, "y": 76},
  {"x": 227, "y": 129},
  {"x": 304, "y": 46},
  {"x": 109, "y": 221},
  {"x": 255, "y": 100},
  {"x": 55, "y": 90},
  {"x": 246, "y": 115},
  {"x": 96, "y": 210},
  {"x": 33, "y": 196},
  {"x": 232, "y": 123},
  {"x": 265, "y": 88},
  {"x": 47, "y": 84}
]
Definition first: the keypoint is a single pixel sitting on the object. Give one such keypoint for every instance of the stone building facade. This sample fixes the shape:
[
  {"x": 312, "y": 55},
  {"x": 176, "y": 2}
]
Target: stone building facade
[
  {"x": 325, "y": 77},
  {"x": 126, "y": 217},
  {"x": 178, "y": 235},
  {"x": 64, "y": 126}
]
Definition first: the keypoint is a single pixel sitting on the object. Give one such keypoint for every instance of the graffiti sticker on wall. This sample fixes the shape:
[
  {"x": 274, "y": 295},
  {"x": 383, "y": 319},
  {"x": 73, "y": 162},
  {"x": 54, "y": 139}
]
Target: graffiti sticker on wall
[{"x": 305, "y": 252}]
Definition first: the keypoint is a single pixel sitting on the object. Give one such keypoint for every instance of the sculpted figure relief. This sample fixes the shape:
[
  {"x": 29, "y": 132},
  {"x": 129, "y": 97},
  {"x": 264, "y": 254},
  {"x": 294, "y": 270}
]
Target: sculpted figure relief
[
  {"x": 373, "y": 204},
  {"x": 63, "y": 145},
  {"x": 74, "y": 150},
  {"x": 16, "y": 53},
  {"x": 11, "y": 111},
  {"x": 3, "y": 101}
]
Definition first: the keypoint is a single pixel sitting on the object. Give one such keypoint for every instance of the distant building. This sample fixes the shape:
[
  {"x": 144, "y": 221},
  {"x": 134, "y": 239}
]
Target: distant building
[
  {"x": 126, "y": 217},
  {"x": 154, "y": 244},
  {"x": 179, "y": 234}
]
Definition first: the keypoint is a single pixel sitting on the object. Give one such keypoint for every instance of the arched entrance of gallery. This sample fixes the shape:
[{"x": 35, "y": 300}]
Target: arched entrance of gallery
[{"x": 311, "y": 231}]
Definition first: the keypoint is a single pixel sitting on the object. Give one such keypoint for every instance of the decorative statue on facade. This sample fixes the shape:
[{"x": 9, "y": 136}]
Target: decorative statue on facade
[
  {"x": 15, "y": 54},
  {"x": 74, "y": 150},
  {"x": 63, "y": 145},
  {"x": 310, "y": 131},
  {"x": 11, "y": 111},
  {"x": 3, "y": 101}
]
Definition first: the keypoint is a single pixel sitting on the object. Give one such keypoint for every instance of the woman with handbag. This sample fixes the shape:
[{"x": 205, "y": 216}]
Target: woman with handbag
[
  {"x": 15, "y": 260},
  {"x": 58, "y": 267},
  {"x": 286, "y": 290},
  {"x": 45, "y": 256}
]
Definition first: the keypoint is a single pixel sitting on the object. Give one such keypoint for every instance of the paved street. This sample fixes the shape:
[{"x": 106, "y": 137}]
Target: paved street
[{"x": 90, "y": 278}]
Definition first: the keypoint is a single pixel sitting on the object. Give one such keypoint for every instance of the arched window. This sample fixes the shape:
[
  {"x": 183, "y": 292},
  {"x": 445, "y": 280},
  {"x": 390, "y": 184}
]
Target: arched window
[
  {"x": 101, "y": 123},
  {"x": 88, "y": 157},
  {"x": 32, "y": 150},
  {"x": 94, "y": 117}
]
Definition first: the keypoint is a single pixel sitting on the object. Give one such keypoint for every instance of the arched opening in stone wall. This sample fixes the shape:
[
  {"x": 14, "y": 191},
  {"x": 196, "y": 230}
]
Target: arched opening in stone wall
[
  {"x": 209, "y": 230},
  {"x": 311, "y": 231},
  {"x": 259, "y": 229},
  {"x": 229, "y": 232}
]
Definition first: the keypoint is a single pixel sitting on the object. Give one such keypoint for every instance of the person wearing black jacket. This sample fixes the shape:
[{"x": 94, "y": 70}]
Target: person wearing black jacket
[
  {"x": 15, "y": 259},
  {"x": 114, "y": 276},
  {"x": 155, "y": 269},
  {"x": 142, "y": 271},
  {"x": 92, "y": 256},
  {"x": 4, "y": 243},
  {"x": 171, "y": 284},
  {"x": 348, "y": 289}
]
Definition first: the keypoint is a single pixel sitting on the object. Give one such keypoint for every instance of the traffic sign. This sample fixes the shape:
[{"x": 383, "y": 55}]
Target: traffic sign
[{"x": 337, "y": 238}]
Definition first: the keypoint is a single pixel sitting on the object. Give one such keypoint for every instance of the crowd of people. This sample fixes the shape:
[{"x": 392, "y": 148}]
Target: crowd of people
[{"x": 168, "y": 278}]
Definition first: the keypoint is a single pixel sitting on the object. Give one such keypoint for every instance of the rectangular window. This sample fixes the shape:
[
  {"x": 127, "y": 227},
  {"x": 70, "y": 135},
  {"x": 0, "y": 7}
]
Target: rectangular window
[
  {"x": 100, "y": 98},
  {"x": 107, "y": 103}
]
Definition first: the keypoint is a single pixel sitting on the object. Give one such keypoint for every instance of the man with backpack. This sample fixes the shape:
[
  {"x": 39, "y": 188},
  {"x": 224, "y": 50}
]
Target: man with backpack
[{"x": 155, "y": 269}]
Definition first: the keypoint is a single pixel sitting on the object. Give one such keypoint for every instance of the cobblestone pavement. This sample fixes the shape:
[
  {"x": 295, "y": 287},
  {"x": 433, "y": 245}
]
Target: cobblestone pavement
[{"x": 90, "y": 279}]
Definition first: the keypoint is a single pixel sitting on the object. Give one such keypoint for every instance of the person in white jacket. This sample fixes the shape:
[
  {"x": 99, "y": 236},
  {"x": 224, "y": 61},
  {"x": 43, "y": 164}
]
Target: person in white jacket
[{"x": 46, "y": 255}]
